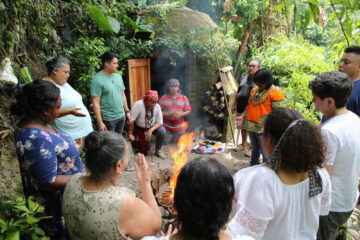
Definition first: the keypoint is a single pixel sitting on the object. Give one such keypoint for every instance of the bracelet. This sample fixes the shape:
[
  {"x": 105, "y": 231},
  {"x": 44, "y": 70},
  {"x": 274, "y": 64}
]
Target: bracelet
[{"x": 127, "y": 111}]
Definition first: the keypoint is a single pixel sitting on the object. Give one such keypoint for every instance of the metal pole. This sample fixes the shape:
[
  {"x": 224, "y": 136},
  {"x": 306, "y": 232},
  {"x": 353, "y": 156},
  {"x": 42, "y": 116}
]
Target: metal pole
[{"x": 226, "y": 102}]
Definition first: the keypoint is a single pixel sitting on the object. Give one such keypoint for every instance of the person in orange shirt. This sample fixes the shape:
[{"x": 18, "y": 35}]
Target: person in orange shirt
[{"x": 263, "y": 98}]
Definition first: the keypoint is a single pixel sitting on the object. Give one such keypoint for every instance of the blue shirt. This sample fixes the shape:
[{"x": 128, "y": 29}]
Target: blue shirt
[
  {"x": 354, "y": 100},
  {"x": 42, "y": 156}
]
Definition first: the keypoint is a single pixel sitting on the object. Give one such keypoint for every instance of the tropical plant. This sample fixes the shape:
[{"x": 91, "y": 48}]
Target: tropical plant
[
  {"x": 294, "y": 62},
  {"x": 346, "y": 13},
  {"x": 20, "y": 218}
]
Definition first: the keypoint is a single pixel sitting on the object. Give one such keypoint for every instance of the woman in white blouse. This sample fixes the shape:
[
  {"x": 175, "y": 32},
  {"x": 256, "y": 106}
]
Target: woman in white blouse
[{"x": 283, "y": 199}]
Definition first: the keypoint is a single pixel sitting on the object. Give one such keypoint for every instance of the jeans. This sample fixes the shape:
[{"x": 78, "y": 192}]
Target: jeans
[
  {"x": 116, "y": 125},
  {"x": 173, "y": 136},
  {"x": 160, "y": 134},
  {"x": 256, "y": 145}
]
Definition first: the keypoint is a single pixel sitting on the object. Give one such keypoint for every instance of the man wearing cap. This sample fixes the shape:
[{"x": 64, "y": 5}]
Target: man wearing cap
[
  {"x": 148, "y": 120},
  {"x": 175, "y": 107}
]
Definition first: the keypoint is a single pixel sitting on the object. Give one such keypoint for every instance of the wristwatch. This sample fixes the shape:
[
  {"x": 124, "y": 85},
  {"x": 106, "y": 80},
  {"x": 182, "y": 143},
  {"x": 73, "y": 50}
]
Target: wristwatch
[{"x": 127, "y": 111}]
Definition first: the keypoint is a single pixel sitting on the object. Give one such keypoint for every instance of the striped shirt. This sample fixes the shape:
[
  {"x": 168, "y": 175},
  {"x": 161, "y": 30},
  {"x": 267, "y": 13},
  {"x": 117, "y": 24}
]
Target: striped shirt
[{"x": 178, "y": 104}]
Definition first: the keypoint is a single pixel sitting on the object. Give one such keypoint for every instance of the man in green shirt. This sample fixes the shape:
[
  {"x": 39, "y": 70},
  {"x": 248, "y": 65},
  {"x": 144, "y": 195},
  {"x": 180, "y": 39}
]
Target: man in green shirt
[{"x": 108, "y": 96}]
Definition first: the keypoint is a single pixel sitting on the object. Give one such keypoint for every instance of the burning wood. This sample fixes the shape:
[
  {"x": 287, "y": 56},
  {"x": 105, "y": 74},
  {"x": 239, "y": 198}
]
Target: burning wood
[{"x": 164, "y": 182}]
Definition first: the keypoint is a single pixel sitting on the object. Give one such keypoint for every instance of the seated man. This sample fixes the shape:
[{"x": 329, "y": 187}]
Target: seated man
[
  {"x": 175, "y": 107},
  {"x": 148, "y": 119}
]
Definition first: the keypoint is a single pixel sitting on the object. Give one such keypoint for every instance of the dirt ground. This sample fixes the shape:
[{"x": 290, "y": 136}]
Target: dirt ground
[{"x": 232, "y": 160}]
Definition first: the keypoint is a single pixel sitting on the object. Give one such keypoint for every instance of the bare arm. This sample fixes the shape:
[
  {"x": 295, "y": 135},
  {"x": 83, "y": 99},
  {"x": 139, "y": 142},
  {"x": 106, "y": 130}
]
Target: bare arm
[
  {"x": 73, "y": 111},
  {"x": 135, "y": 212},
  {"x": 328, "y": 169},
  {"x": 59, "y": 183},
  {"x": 96, "y": 107},
  {"x": 131, "y": 127},
  {"x": 126, "y": 108}
]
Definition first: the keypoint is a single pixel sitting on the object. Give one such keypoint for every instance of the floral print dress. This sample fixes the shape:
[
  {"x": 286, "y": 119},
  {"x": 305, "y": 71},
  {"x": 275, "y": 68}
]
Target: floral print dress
[{"x": 42, "y": 156}]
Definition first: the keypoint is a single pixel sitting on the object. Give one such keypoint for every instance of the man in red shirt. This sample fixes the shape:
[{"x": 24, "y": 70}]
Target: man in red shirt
[{"x": 175, "y": 107}]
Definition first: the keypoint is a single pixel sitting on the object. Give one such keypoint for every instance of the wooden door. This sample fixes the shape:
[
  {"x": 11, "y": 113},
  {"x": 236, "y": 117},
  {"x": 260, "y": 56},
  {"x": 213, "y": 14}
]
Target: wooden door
[{"x": 139, "y": 79}]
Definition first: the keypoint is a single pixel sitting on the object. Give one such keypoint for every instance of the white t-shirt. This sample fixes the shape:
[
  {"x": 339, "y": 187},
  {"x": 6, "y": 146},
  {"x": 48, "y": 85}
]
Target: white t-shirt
[
  {"x": 342, "y": 135},
  {"x": 77, "y": 127},
  {"x": 238, "y": 237},
  {"x": 266, "y": 208},
  {"x": 138, "y": 115}
]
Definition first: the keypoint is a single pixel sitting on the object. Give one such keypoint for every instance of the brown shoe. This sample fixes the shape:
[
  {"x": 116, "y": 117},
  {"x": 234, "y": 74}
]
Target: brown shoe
[{"x": 247, "y": 153}]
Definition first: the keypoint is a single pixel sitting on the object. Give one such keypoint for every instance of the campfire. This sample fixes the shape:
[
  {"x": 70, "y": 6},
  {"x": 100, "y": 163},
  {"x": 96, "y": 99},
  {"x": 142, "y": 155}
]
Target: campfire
[{"x": 164, "y": 182}]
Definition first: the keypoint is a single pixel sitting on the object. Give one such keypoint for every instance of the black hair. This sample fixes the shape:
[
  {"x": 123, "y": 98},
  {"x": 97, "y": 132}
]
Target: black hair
[
  {"x": 257, "y": 62},
  {"x": 263, "y": 76},
  {"x": 57, "y": 62},
  {"x": 103, "y": 151},
  {"x": 107, "y": 57},
  {"x": 303, "y": 148},
  {"x": 35, "y": 98},
  {"x": 353, "y": 49},
  {"x": 203, "y": 198},
  {"x": 336, "y": 85}
]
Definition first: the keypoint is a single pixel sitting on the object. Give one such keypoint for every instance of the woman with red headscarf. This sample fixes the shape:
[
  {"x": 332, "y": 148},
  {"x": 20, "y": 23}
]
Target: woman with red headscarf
[{"x": 148, "y": 120}]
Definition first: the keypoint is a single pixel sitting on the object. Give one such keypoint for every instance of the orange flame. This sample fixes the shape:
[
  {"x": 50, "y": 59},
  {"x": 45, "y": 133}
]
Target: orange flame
[
  {"x": 180, "y": 158},
  {"x": 185, "y": 125}
]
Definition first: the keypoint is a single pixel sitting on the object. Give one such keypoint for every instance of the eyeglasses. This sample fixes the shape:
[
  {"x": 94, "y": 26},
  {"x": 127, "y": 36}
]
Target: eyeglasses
[{"x": 252, "y": 66}]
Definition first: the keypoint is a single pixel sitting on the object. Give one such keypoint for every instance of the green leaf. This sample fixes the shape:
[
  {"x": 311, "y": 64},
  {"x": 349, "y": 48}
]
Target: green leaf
[
  {"x": 132, "y": 23},
  {"x": 13, "y": 236},
  {"x": 308, "y": 17},
  {"x": 22, "y": 208},
  {"x": 115, "y": 25},
  {"x": 32, "y": 204},
  {"x": 300, "y": 8},
  {"x": 280, "y": 6},
  {"x": 31, "y": 219},
  {"x": 99, "y": 18}
]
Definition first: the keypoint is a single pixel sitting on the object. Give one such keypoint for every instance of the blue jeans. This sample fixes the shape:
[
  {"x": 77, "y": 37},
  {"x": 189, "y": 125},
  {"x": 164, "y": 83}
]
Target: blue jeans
[{"x": 255, "y": 139}]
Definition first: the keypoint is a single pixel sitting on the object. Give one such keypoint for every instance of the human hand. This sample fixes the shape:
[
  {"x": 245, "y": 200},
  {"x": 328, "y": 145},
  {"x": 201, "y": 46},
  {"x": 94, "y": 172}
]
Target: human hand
[
  {"x": 75, "y": 112},
  {"x": 131, "y": 137},
  {"x": 148, "y": 136},
  {"x": 170, "y": 232},
  {"x": 177, "y": 115},
  {"x": 233, "y": 109},
  {"x": 142, "y": 169},
  {"x": 102, "y": 127},
  {"x": 239, "y": 121},
  {"x": 128, "y": 116}
]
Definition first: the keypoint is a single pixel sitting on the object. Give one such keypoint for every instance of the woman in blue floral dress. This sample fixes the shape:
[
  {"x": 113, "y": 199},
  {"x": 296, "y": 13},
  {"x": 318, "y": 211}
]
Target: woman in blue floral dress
[{"x": 47, "y": 156}]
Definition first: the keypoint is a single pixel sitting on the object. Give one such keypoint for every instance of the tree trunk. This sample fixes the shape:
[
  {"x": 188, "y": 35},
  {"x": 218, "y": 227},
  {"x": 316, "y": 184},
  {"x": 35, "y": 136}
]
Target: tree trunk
[
  {"x": 269, "y": 24},
  {"x": 244, "y": 40},
  {"x": 262, "y": 42}
]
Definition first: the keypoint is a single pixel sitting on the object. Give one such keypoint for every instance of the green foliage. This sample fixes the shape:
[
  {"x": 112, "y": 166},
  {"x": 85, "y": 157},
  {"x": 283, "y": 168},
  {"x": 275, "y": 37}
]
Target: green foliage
[
  {"x": 346, "y": 13},
  {"x": 294, "y": 62},
  {"x": 85, "y": 56},
  {"x": 104, "y": 23},
  {"x": 20, "y": 218}
]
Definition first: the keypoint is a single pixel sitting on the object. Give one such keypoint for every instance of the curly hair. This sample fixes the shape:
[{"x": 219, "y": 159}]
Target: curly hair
[
  {"x": 103, "y": 151},
  {"x": 336, "y": 85},
  {"x": 203, "y": 198},
  {"x": 303, "y": 148},
  {"x": 35, "y": 98}
]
